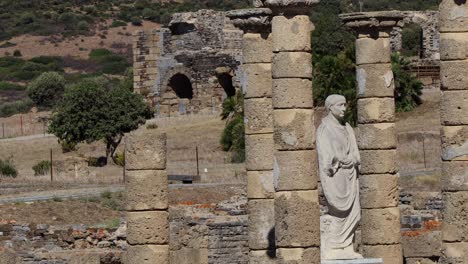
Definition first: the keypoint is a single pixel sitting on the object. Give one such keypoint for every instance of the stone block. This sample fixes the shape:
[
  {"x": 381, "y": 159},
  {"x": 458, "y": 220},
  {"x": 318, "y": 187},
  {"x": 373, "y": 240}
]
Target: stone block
[
  {"x": 292, "y": 65},
  {"x": 147, "y": 254},
  {"x": 7, "y": 257},
  {"x": 380, "y": 226},
  {"x": 425, "y": 244},
  {"x": 188, "y": 255},
  {"x": 379, "y": 191},
  {"x": 262, "y": 257},
  {"x": 256, "y": 80},
  {"x": 291, "y": 33},
  {"x": 454, "y": 74},
  {"x": 453, "y": 16},
  {"x": 150, "y": 227},
  {"x": 146, "y": 190},
  {"x": 260, "y": 185},
  {"x": 257, "y": 48},
  {"x": 145, "y": 152},
  {"x": 453, "y": 46},
  {"x": 294, "y": 129},
  {"x": 455, "y": 227},
  {"x": 376, "y": 110},
  {"x": 261, "y": 224},
  {"x": 292, "y": 93},
  {"x": 375, "y": 80},
  {"x": 454, "y": 253},
  {"x": 378, "y": 161},
  {"x": 297, "y": 219},
  {"x": 258, "y": 116},
  {"x": 391, "y": 254},
  {"x": 84, "y": 259},
  {"x": 295, "y": 170},
  {"x": 454, "y": 176},
  {"x": 369, "y": 50},
  {"x": 454, "y": 143},
  {"x": 259, "y": 152},
  {"x": 377, "y": 136},
  {"x": 454, "y": 107},
  {"x": 420, "y": 261},
  {"x": 298, "y": 255}
]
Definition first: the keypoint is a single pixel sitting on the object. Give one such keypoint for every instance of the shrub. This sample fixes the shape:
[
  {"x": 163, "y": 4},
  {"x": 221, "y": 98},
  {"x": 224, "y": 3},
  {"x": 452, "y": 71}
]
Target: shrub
[
  {"x": 46, "y": 89},
  {"x": 41, "y": 168},
  {"x": 67, "y": 146},
  {"x": 118, "y": 23},
  {"x": 8, "y": 169},
  {"x": 106, "y": 194},
  {"x": 97, "y": 53},
  {"x": 233, "y": 136},
  {"x": 151, "y": 126},
  {"x": 97, "y": 161},
  {"x": 11, "y": 108},
  {"x": 120, "y": 159},
  {"x": 7, "y": 86},
  {"x": 83, "y": 25},
  {"x": 136, "y": 21},
  {"x": 408, "y": 88},
  {"x": 17, "y": 53}
]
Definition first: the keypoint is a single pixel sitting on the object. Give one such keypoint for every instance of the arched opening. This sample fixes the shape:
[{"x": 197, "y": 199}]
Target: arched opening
[
  {"x": 181, "y": 86},
  {"x": 225, "y": 80}
]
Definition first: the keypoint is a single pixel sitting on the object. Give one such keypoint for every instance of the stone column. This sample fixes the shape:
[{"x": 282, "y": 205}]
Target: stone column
[
  {"x": 147, "y": 203},
  {"x": 454, "y": 131},
  {"x": 380, "y": 223},
  {"x": 297, "y": 212},
  {"x": 258, "y": 111},
  {"x": 146, "y": 50}
]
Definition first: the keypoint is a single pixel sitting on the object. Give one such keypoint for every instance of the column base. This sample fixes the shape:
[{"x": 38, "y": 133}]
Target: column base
[{"x": 354, "y": 261}]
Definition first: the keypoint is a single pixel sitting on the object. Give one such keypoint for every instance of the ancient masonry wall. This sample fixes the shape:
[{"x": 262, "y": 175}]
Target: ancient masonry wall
[
  {"x": 454, "y": 131},
  {"x": 147, "y": 203},
  {"x": 145, "y": 53}
]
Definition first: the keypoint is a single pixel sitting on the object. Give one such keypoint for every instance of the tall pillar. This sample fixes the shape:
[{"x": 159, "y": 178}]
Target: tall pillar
[
  {"x": 258, "y": 111},
  {"x": 147, "y": 203},
  {"x": 146, "y": 50},
  {"x": 297, "y": 211},
  {"x": 454, "y": 130},
  {"x": 380, "y": 222}
]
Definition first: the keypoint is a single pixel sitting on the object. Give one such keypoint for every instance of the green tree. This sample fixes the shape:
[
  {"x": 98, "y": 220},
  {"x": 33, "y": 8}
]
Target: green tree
[
  {"x": 91, "y": 111},
  {"x": 46, "y": 89},
  {"x": 408, "y": 88},
  {"x": 233, "y": 136}
]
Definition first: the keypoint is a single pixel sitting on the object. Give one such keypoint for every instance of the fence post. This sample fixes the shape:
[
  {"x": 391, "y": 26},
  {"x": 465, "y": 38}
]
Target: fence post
[
  {"x": 198, "y": 168},
  {"x": 21, "y": 120},
  {"x": 3, "y": 130},
  {"x": 51, "y": 167}
]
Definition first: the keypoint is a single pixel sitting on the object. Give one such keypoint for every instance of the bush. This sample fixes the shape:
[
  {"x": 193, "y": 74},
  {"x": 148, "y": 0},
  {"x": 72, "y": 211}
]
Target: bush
[
  {"x": 9, "y": 109},
  {"x": 83, "y": 25},
  {"x": 67, "y": 146},
  {"x": 97, "y": 53},
  {"x": 17, "y": 53},
  {"x": 7, "y": 86},
  {"x": 408, "y": 88},
  {"x": 97, "y": 161},
  {"x": 120, "y": 159},
  {"x": 8, "y": 169},
  {"x": 233, "y": 136},
  {"x": 41, "y": 168},
  {"x": 136, "y": 21},
  {"x": 118, "y": 23},
  {"x": 47, "y": 89}
]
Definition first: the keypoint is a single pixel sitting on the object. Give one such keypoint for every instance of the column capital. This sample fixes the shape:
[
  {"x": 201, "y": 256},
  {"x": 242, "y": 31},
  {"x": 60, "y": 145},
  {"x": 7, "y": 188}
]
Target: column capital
[
  {"x": 287, "y": 7},
  {"x": 374, "y": 22},
  {"x": 253, "y": 20}
]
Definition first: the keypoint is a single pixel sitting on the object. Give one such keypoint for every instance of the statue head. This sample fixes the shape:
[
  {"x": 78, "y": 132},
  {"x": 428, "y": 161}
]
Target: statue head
[{"x": 335, "y": 105}]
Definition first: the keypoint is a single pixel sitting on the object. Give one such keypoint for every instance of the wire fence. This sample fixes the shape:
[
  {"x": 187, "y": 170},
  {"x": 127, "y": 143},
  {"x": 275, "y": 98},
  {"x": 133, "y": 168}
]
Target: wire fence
[{"x": 23, "y": 125}]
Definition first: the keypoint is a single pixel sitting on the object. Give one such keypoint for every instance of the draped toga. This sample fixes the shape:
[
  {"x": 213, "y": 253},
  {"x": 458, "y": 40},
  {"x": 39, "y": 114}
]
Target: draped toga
[{"x": 339, "y": 162}]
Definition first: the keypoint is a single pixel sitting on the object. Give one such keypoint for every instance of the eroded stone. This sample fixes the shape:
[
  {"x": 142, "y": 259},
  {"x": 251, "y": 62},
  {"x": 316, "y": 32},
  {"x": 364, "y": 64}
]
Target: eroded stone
[
  {"x": 455, "y": 212},
  {"x": 146, "y": 190},
  {"x": 259, "y": 152},
  {"x": 149, "y": 227},
  {"x": 147, "y": 254},
  {"x": 453, "y": 46},
  {"x": 291, "y": 33},
  {"x": 294, "y": 129},
  {"x": 376, "y": 136},
  {"x": 454, "y": 74},
  {"x": 389, "y": 253},
  {"x": 379, "y": 191},
  {"x": 455, "y": 176},
  {"x": 453, "y": 107},
  {"x": 454, "y": 143},
  {"x": 258, "y": 116},
  {"x": 453, "y": 16},
  {"x": 292, "y": 93},
  {"x": 144, "y": 152},
  {"x": 380, "y": 226},
  {"x": 261, "y": 223},
  {"x": 376, "y": 110},
  {"x": 375, "y": 80},
  {"x": 378, "y": 161},
  {"x": 256, "y": 80},
  {"x": 298, "y": 255},
  {"x": 292, "y": 65},
  {"x": 295, "y": 170},
  {"x": 369, "y": 50},
  {"x": 257, "y": 48},
  {"x": 260, "y": 185}
]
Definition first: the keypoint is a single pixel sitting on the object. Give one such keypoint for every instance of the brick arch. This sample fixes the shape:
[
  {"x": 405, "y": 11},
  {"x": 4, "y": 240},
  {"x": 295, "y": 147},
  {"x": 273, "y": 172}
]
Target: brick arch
[{"x": 174, "y": 72}]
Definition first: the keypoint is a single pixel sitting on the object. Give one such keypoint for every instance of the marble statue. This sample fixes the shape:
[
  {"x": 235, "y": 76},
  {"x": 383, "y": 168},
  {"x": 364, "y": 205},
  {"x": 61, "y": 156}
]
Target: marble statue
[{"x": 339, "y": 163}]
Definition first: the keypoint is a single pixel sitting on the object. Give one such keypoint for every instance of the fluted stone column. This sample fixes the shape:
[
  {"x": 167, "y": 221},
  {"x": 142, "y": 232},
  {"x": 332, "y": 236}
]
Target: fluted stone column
[
  {"x": 258, "y": 111},
  {"x": 380, "y": 223},
  {"x": 147, "y": 202},
  {"x": 297, "y": 212},
  {"x": 454, "y": 131}
]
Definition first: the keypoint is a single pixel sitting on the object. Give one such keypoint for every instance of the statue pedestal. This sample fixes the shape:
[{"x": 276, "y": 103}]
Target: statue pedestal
[{"x": 354, "y": 261}]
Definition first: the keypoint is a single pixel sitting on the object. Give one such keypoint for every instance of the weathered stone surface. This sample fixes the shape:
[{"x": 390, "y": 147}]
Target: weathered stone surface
[
  {"x": 257, "y": 80},
  {"x": 453, "y": 107},
  {"x": 298, "y": 255},
  {"x": 259, "y": 152},
  {"x": 291, "y": 33},
  {"x": 8, "y": 258},
  {"x": 454, "y": 143},
  {"x": 147, "y": 254},
  {"x": 145, "y": 152},
  {"x": 455, "y": 176},
  {"x": 454, "y": 74},
  {"x": 146, "y": 190},
  {"x": 150, "y": 227},
  {"x": 376, "y": 136},
  {"x": 389, "y": 253},
  {"x": 455, "y": 227},
  {"x": 262, "y": 257},
  {"x": 453, "y": 16},
  {"x": 258, "y": 116},
  {"x": 297, "y": 219},
  {"x": 453, "y": 46},
  {"x": 260, "y": 185},
  {"x": 380, "y": 226},
  {"x": 454, "y": 253},
  {"x": 427, "y": 244},
  {"x": 257, "y": 48},
  {"x": 84, "y": 259},
  {"x": 292, "y": 65},
  {"x": 375, "y": 80},
  {"x": 379, "y": 191},
  {"x": 378, "y": 161},
  {"x": 292, "y": 93},
  {"x": 420, "y": 261},
  {"x": 376, "y": 110},
  {"x": 295, "y": 170},
  {"x": 261, "y": 223},
  {"x": 369, "y": 50},
  {"x": 294, "y": 129},
  {"x": 188, "y": 255}
]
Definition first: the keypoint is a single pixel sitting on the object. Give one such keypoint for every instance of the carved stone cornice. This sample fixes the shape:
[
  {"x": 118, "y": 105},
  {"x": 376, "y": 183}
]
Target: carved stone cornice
[
  {"x": 254, "y": 20},
  {"x": 287, "y": 7},
  {"x": 382, "y": 21}
]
